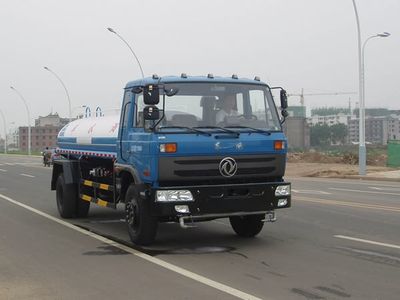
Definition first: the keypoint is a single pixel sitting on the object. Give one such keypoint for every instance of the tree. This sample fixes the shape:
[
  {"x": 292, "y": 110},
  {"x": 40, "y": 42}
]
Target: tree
[
  {"x": 328, "y": 111},
  {"x": 320, "y": 135},
  {"x": 338, "y": 133}
]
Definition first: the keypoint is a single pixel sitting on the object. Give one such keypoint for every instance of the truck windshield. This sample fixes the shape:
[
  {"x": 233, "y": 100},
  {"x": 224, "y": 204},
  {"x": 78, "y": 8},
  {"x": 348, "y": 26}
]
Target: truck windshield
[{"x": 213, "y": 107}]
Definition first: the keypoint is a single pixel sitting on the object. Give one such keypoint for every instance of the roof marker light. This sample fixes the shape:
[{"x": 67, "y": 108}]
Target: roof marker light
[
  {"x": 257, "y": 78},
  {"x": 183, "y": 75},
  {"x": 210, "y": 75},
  {"x": 234, "y": 76}
]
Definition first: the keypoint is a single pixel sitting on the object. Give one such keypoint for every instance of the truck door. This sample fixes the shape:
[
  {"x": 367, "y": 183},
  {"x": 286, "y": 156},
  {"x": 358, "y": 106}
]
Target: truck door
[{"x": 125, "y": 127}]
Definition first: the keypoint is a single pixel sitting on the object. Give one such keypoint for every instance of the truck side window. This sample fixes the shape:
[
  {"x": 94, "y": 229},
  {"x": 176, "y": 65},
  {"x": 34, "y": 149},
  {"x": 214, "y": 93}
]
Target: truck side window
[
  {"x": 139, "y": 105},
  {"x": 127, "y": 104}
]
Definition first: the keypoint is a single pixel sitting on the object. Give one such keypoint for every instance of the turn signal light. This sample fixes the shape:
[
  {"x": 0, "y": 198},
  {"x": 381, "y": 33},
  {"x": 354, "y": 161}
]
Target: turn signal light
[
  {"x": 168, "y": 148},
  {"x": 279, "y": 145}
]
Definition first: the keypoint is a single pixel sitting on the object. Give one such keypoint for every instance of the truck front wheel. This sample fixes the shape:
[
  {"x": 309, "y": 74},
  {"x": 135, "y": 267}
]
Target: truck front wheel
[
  {"x": 247, "y": 226},
  {"x": 67, "y": 197},
  {"x": 142, "y": 227}
]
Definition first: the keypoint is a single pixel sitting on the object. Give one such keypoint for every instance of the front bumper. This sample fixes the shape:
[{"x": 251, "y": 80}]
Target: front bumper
[{"x": 214, "y": 201}]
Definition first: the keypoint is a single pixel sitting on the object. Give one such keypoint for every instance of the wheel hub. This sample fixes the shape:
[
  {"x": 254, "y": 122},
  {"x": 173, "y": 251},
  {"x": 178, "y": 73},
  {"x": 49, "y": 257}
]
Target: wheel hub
[{"x": 131, "y": 214}]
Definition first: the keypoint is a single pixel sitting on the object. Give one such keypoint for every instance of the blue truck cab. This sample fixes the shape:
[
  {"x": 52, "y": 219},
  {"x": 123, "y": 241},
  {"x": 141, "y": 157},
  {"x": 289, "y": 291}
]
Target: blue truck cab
[{"x": 188, "y": 149}]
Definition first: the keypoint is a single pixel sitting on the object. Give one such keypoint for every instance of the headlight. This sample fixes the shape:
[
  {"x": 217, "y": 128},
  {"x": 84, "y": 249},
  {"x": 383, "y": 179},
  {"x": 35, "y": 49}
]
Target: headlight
[
  {"x": 282, "y": 202},
  {"x": 282, "y": 190},
  {"x": 174, "y": 195}
]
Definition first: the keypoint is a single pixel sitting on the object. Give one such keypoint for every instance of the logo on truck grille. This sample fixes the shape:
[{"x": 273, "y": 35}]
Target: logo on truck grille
[{"x": 228, "y": 167}]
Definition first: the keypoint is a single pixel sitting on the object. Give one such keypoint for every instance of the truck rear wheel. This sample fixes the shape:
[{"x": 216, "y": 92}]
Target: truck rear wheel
[
  {"x": 247, "y": 226},
  {"x": 67, "y": 196},
  {"x": 142, "y": 227}
]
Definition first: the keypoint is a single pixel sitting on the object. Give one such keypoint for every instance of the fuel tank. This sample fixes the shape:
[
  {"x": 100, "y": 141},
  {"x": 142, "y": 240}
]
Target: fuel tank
[{"x": 90, "y": 136}]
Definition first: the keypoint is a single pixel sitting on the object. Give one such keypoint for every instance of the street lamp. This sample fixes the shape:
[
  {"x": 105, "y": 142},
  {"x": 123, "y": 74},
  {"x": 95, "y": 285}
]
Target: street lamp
[
  {"x": 5, "y": 131},
  {"x": 29, "y": 118},
  {"x": 130, "y": 48},
  {"x": 65, "y": 88},
  {"x": 379, "y": 35},
  {"x": 362, "y": 153}
]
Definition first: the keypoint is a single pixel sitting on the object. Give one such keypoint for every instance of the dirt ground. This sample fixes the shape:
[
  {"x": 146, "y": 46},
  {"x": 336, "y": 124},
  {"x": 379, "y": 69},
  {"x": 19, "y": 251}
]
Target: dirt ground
[
  {"x": 307, "y": 169},
  {"x": 315, "y": 164}
]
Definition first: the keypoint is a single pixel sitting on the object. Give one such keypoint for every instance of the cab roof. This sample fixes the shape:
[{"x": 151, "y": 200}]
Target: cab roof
[{"x": 192, "y": 79}]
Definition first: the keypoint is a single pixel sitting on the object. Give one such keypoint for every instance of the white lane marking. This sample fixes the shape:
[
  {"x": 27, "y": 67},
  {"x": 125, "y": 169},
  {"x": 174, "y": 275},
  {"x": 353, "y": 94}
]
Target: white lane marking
[
  {"x": 368, "y": 192},
  {"x": 221, "y": 223},
  {"x": 107, "y": 221},
  {"x": 2, "y": 170},
  {"x": 9, "y": 164},
  {"x": 384, "y": 189},
  {"x": 366, "y": 241},
  {"x": 196, "y": 277},
  {"x": 312, "y": 192},
  {"x": 27, "y": 175},
  {"x": 351, "y": 182}
]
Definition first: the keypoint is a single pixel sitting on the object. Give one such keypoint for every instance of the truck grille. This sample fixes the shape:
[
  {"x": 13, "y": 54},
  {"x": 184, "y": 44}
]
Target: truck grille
[{"x": 205, "y": 170}]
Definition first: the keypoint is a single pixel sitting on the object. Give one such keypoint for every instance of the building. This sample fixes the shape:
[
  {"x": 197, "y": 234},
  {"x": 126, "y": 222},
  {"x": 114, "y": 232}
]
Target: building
[
  {"x": 376, "y": 130},
  {"x": 394, "y": 127},
  {"x": 297, "y": 111},
  {"x": 13, "y": 140},
  {"x": 51, "y": 120},
  {"x": 43, "y": 134},
  {"x": 297, "y": 132},
  {"x": 329, "y": 120}
]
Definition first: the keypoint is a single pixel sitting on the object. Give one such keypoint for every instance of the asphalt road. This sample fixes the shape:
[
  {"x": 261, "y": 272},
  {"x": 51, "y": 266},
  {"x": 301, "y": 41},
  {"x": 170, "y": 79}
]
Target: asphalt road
[{"x": 340, "y": 240}]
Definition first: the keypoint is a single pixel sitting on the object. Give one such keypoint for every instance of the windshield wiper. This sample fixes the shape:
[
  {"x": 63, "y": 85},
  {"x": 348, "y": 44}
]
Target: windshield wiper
[
  {"x": 193, "y": 129},
  {"x": 220, "y": 128},
  {"x": 252, "y": 128}
]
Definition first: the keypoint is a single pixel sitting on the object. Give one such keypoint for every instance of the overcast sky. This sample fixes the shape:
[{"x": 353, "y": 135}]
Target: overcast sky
[{"x": 310, "y": 44}]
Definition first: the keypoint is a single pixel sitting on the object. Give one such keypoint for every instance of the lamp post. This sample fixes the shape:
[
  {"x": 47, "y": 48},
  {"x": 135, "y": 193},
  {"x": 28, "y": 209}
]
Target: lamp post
[
  {"x": 379, "y": 35},
  {"x": 5, "y": 131},
  {"x": 362, "y": 153},
  {"x": 130, "y": 48},
  {"x": 29, "y": 118},
  {"x": 66, "y": 91}
]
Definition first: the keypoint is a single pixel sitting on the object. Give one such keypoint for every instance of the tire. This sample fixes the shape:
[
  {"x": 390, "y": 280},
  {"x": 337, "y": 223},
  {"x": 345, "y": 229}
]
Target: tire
[
  {"x": 142, "y": 227},
  {"x": 247, "y": 226},
  {"x": 82, "y": 209},
  {"x": 67, "y": 196}
]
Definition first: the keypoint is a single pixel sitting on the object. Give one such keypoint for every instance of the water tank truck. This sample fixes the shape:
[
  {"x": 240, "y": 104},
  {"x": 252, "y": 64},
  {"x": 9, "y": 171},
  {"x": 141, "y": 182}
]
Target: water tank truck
[{"x": 183, "y": 149}]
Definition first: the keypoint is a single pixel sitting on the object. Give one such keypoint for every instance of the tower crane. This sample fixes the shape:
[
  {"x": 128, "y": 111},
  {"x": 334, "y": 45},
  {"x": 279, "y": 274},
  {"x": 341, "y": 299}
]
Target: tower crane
[{"x": 301, "y": 95}]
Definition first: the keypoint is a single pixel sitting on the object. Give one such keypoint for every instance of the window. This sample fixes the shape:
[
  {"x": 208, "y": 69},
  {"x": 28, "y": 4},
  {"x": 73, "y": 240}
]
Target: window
[
  {"x": 126, "y": 108},
  {"x": 217, "y": 104}
]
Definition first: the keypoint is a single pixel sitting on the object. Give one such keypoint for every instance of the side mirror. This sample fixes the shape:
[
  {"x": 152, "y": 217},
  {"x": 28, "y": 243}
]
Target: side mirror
[
  {"x": 151, "y": 112},
  {"x": 284, "y": 103},
  {"x": 285, "y": 113},
  {"x": 151, "y": 94}
]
